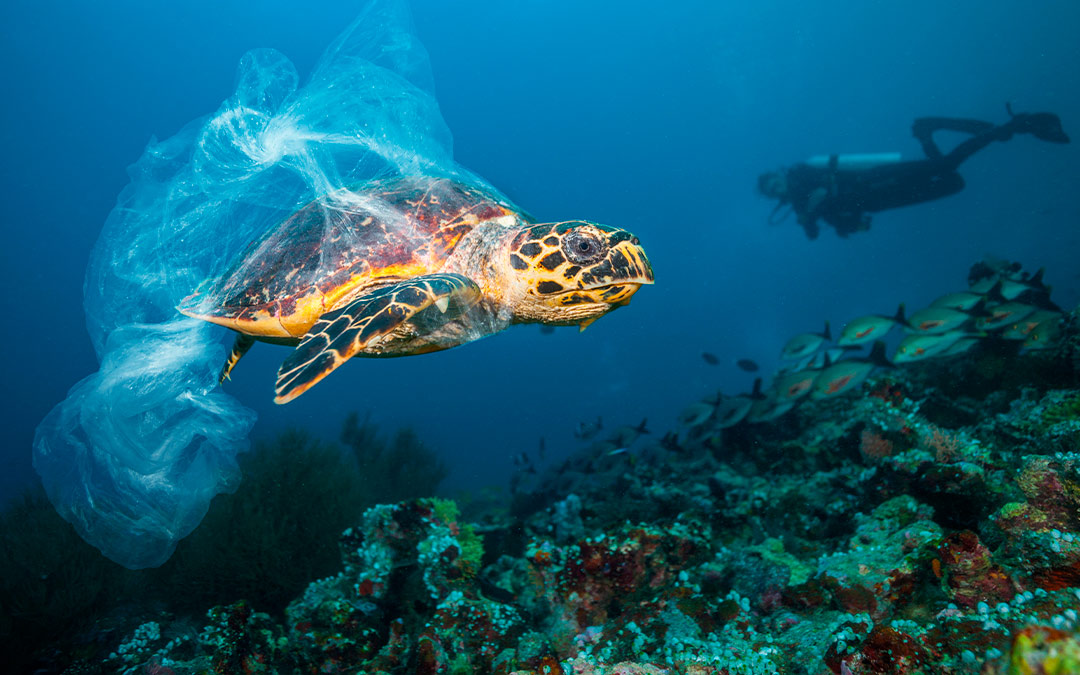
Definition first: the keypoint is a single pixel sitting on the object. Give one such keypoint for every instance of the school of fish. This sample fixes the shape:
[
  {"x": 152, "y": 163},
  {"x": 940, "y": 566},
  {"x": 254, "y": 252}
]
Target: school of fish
[{"x": 1001, "y": 303}]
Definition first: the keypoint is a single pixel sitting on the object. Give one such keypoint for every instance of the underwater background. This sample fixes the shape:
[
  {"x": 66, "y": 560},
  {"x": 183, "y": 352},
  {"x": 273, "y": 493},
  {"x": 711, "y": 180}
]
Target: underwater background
[
  {"x": 653, "y": 118},
  {"x": 655, "y": 121}
]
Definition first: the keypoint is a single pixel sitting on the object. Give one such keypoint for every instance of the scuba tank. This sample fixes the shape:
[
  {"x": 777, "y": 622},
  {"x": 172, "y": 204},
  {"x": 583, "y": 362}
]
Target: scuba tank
[{"x": 853, "y": 162}]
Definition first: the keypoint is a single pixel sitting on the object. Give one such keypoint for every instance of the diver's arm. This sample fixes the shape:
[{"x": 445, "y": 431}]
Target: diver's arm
[
  {"x": 848, "y": 222},
  {"x": 809, "y": 223}
]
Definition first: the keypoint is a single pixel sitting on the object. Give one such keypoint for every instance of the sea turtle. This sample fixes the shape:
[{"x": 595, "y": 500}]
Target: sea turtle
[{"x": 411, "y": 265}]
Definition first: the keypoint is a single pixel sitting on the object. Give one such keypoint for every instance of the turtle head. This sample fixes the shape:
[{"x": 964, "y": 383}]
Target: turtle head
[{"x": 575, "y": 272}]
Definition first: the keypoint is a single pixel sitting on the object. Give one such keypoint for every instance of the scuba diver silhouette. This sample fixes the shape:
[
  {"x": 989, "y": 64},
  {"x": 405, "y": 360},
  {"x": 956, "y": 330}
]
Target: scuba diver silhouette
[{"x": 843, "y": 190}]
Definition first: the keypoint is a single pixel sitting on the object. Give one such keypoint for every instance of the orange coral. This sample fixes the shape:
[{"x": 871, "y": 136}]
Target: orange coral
[
  {"x": 874, "y": 446},
  {"x": 946, "y": 445}
]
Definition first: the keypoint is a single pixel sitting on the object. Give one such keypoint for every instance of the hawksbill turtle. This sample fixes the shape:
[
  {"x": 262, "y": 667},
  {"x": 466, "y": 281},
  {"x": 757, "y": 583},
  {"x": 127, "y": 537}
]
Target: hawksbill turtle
[{"x": 411, "y": 265}]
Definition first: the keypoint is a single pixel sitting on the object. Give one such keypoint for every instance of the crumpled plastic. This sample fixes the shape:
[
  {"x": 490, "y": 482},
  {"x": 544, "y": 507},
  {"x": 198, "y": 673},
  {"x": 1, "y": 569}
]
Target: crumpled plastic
[{"x": 134, "y": 454}]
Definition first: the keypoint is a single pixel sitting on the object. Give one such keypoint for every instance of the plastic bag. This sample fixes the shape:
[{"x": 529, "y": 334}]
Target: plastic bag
[{"x": 134, "y": 454}]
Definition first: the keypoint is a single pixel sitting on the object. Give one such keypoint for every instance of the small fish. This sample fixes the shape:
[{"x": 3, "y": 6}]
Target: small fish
[
  {"x": 938, "y": 320},
  {"x": 604, "y": 447},
  {"x": 732, "y": 410},
  {"x": 747, "y": 365},
  {"x": 767, "y": 411},
  {"x": 670, "y": 442},
  {"x": 845, "y": 375},
  {"x": 961, "y": 346},
  {"x": 990, "y": 269},
  {"x": 627, "y": 435},
  {"x": 617, "y": 451},
  {"x": 714, "y": 399},
  {"x": 869, "y": 328},
  {"x": 496, "y": 593},
  {"x": 819, "y": 360},
  {"x": 1044, "y": 335},
  {"x": 1003, "y": 315},
  {"x": 793, "y": 386},
  {"x": 1022, "y": 328},
  {"x": 586, "y": 431},
  {"x": 521, "y": 459},
  {"x": 1013, "y": 287},
  {"x": 710, "y": 358},
  {"x": 696, "y": 414},
  {"x": 917, "y": 347},
  {"x": 965, "y": 300},
  {"x": 805, "y": 343}
]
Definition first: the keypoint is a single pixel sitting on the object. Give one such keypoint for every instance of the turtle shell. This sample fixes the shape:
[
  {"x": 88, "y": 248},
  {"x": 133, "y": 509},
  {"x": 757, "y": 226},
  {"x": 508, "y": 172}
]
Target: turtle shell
[{"x": 340, "y": 245}]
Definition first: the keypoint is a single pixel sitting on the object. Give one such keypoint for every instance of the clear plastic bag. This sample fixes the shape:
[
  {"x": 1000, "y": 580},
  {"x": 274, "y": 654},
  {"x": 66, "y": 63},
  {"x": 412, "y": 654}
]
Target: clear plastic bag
[{"x": 134, "y": 454}]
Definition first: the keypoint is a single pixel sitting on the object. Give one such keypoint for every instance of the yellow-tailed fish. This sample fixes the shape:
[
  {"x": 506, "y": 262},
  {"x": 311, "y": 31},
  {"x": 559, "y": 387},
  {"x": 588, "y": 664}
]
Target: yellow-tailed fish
[
  {"x": 845, "y": 375},
  {"x": 1004, "y": 315},
  {"x": 870, "y": 328},
  {"x": 917, "y": 347},
  {"x": 804, "y": 344}
]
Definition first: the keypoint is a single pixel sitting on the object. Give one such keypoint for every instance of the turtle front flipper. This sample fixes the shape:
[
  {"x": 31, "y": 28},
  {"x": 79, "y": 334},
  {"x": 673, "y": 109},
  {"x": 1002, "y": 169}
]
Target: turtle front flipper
[{"x": 344, "y": 332}]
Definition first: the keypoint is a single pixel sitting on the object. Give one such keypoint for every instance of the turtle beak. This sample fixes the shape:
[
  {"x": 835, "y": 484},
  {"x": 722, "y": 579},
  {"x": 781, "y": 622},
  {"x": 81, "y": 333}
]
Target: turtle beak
[
  {"x": 638, "y": 269},
  {"x": 625, "y": 271}
]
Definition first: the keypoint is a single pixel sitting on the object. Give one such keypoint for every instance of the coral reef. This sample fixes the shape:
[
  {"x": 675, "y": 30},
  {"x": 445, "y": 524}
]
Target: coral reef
[
  {"x": 899, "y": 530},
  {"x": 60, "y": 599}
]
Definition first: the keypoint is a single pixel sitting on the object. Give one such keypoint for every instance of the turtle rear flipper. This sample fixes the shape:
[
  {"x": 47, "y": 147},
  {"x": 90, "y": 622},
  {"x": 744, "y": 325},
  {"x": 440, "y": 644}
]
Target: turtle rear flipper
[
  {"x": 240, "y": 347},
  {"x": 344, "y": 332}
]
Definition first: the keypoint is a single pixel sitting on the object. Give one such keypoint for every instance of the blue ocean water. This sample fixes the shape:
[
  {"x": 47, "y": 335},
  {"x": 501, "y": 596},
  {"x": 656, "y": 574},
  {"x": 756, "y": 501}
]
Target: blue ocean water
[{"x": 654, "y": 119}]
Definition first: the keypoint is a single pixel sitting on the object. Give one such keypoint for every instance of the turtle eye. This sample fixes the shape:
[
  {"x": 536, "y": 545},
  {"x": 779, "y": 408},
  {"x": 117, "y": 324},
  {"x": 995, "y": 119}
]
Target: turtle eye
[{"x": 582, "y": 248}]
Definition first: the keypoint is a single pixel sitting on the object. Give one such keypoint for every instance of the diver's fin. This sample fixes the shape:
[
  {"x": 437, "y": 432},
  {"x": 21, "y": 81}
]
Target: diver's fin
[
  {"x": 1043, "y": 126},
  {"x": 346, "y": 331},
  {"x": 240, "y": 346}
]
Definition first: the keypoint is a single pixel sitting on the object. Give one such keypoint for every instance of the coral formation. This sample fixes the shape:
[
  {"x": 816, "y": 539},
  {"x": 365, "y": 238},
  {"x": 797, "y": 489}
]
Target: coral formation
[
  {"x": 901, "y": 529},
  {"x": 260, "y": 545}
]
